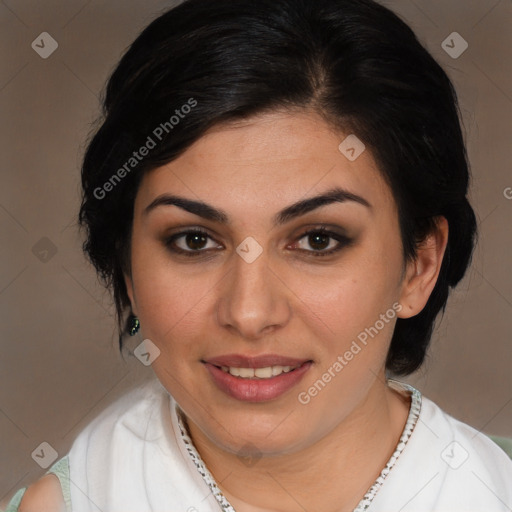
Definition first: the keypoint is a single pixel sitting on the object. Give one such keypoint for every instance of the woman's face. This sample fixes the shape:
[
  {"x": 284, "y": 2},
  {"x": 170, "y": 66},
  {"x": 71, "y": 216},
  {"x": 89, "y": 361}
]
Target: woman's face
[{"x": 256, "y": 291}]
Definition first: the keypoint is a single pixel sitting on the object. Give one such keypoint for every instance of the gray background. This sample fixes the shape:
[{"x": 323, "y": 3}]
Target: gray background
[{"x": 60, "y": 365}]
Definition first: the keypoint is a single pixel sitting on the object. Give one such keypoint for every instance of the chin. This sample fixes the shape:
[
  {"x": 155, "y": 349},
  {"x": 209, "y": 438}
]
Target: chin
[{"x": 264, "y": 439}]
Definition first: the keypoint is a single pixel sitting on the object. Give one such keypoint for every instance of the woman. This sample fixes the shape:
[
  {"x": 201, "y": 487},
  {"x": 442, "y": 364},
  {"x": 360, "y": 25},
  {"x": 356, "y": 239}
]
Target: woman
[{"x": 277, "y": 198}]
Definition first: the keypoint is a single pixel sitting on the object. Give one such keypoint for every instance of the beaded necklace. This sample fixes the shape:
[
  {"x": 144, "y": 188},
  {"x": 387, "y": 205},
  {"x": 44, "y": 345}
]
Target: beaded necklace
[{"x": 363, "y": 505}]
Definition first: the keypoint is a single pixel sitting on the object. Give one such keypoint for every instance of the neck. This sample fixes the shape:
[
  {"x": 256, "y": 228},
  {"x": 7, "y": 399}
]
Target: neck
[{"x": 352, "y": 454}]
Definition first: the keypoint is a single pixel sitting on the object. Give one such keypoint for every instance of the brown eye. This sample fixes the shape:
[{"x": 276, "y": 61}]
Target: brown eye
[
  {"x": 319, "y": 241},
  {"x": 322, "y": 242},
  {"x": 195, "y": 241},
  {"x": 190, "y": 243}
]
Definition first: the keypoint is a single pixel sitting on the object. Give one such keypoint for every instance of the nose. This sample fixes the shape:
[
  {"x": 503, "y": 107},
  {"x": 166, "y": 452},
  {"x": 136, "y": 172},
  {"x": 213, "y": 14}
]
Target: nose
[{"x": 253, "y": 300}]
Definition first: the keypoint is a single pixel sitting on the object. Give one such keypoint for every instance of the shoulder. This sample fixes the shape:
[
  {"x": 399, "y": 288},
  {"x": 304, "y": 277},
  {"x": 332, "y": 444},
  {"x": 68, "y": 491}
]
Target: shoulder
[
  {"x": 447, "y": 466},
  {"x": 454, "y": 431},
  {"x": 465, "y": 456},
  {"x": 116, "y": 429},
  {"x": 125, "y": 426},
  {"x": 44, "y": 495},
  {"x": 127, "y": 409}
]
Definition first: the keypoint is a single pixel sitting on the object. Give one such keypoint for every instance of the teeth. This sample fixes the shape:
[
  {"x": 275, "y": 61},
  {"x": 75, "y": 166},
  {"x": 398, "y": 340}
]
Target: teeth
[
  {"x": 260, "y": 373},
  {"x": 276, "y": 370},
  {"x": 246, "y": 373},
  {"x": 263, "y": 373}
]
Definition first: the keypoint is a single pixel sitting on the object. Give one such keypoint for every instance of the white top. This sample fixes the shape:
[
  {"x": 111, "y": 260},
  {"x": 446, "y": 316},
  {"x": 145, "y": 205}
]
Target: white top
[{"x": 134, "y": 457}]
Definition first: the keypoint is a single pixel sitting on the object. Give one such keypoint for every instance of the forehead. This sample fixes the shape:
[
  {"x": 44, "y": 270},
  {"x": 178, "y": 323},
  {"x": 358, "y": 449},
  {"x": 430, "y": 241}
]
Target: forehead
[{"x": 267, "y": 162}]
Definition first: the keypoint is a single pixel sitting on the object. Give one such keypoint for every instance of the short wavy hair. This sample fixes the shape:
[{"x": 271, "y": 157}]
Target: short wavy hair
[{"x": 354, "y": 62}]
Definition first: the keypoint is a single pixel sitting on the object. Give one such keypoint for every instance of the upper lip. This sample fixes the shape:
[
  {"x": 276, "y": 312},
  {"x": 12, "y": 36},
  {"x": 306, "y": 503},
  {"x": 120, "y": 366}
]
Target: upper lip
[{"x": 262, "y": 361}]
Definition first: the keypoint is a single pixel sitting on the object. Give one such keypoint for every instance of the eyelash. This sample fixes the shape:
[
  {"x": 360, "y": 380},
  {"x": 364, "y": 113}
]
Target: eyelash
[{"x": 342, "y": 240}]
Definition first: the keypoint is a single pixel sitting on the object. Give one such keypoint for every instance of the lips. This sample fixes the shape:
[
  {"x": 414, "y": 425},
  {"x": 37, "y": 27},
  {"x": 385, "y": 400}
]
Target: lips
[{"x": 239, "y": 376}]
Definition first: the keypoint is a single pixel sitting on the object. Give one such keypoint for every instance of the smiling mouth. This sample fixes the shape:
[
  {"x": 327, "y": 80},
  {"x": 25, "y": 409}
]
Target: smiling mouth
[
  {"x": 267, "y": 372},
  {"x": 256, "y": 378}
]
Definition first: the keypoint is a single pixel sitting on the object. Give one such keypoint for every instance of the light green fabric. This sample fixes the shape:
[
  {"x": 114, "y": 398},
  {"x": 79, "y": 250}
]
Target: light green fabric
[
  {"x": 505, "y": 443},
  {"x": 15, "y": 501},
  {"x": 61, "y": 470}
]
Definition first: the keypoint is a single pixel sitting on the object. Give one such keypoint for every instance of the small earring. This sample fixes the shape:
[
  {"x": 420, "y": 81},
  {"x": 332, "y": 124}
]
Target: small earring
[{"x": 134, "y": 325}]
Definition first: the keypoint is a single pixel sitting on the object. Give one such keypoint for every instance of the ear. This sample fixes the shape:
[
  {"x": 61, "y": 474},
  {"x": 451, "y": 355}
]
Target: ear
[
  {"x": 129, "y": 290},
  {"x": 421, "y": 273}
]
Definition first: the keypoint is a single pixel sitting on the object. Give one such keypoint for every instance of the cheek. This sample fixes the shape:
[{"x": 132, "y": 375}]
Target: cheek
[
  {"x": 162, "y": 296},
  {"x": 352, "y": 298},
  {"x": 171, "y": 307}
]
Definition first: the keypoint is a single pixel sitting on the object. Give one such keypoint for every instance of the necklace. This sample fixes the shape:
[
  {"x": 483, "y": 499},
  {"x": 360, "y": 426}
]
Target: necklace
[{"x": 364, "y": 504}]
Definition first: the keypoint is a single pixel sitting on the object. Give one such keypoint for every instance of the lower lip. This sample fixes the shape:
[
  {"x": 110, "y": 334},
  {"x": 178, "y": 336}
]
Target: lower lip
[{"x": 256, "y": 390}]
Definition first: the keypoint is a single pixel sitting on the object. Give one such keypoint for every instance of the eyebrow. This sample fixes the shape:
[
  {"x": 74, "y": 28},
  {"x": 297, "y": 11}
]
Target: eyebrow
[{"x": 206, "y": 211}]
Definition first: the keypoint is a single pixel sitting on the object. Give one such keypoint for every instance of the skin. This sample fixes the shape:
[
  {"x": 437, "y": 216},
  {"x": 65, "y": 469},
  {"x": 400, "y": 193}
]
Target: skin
[
  {"x": 267, "y": 456},
  {"x": 45, "y": 495}
]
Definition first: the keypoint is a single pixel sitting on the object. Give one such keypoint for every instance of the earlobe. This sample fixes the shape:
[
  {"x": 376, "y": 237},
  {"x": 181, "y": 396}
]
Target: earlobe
[{"x": 422, "y": 272}]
